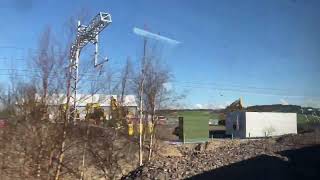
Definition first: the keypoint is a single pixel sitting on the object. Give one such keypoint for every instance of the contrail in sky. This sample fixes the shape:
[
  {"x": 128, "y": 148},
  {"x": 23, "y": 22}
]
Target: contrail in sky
[{"x": 147, "y": 34}]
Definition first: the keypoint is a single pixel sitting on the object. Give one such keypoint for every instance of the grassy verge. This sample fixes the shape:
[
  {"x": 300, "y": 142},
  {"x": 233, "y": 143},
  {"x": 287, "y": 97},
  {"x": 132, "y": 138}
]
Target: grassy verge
[{"x": 308, "y": 123}]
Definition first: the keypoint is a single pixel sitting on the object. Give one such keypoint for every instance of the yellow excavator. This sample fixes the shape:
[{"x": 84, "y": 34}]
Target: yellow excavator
[
  {"x": 95, "y": 113},
  {"x": 118, "y": 114},
  {"x": 235, "y": 106}
]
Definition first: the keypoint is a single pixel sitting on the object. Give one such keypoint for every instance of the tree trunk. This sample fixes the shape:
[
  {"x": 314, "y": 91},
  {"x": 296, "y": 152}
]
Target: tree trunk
[
  {"x": 65, "y": 126},
  {"x": 140, "y": 126},
  {"x": 49, "y": 164},
  {"x": 150, "y": 147},
  {"x": 84, "y": 153},
  {"x": 152, "y": 133},
  {"x": 39, "y": 158},
  {"x": 61, "y": 153}
]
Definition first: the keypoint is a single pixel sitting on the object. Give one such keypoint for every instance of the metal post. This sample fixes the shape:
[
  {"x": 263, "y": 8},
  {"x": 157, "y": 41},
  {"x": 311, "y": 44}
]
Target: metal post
[
  {"x": 96, "y": 51},
  {"x": 85, "y": 35},
  {"x": 75, "y": 85}
]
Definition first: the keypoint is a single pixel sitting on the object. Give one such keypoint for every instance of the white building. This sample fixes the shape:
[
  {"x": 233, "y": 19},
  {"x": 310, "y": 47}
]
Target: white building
[
  {"x": 260, "y": 124},
  {"x": 104, "y": 101}
]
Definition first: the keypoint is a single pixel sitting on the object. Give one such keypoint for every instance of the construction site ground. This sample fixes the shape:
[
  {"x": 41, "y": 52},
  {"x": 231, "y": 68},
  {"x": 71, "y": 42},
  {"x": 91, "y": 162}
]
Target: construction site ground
[{"x": 284, "y": 157}]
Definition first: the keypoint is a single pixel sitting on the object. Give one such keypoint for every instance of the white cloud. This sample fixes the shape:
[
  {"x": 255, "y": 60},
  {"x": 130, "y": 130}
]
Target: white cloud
[
  {"x": 220, "y": 106},
  {"x": 198, "y": 106},
  {"x": 284, "y": 102},
  {"x": 209, "y": 106}
]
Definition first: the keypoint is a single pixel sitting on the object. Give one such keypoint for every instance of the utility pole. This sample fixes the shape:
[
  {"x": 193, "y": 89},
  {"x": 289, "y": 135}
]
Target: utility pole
[
  {"x": 85, "y": 34},
  {"x": 146, "y": 34},
  {"x": 141, "y": 100}
]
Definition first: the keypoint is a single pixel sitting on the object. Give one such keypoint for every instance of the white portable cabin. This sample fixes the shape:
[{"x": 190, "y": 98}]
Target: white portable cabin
[{"x": 260, "y": 124}]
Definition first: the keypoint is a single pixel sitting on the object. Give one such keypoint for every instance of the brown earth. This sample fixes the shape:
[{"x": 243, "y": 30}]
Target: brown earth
[{"x": 285, "y": 157}]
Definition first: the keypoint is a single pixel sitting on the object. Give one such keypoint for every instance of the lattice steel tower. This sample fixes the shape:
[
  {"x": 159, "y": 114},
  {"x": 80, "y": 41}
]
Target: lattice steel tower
[{"x": 85, "y": 35}]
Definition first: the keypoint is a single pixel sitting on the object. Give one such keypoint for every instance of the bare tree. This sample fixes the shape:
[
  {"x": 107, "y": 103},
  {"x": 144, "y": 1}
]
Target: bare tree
[
  {"x": 48, "y": 64},
  {"x": 126, "y": 73},
  {"x": 71, "y": 34},
  {"x": 151, "y": 89},
  {"x": 156, "y": 75},
  {"x": 140, "y": 87},
  {"x": 7, "y": 95},
  {"x": 6, "y": 102},
  {"x": 29, "y": 137}
]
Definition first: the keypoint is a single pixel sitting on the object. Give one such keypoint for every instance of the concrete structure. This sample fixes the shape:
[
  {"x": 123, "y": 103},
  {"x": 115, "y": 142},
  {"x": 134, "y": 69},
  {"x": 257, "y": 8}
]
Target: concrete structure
[{"x": 260, "y": 124}]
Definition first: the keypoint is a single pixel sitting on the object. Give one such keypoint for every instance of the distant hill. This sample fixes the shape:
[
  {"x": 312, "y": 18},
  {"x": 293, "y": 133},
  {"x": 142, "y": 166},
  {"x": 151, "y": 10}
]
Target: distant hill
[
  {"x": 283, "y": 108},
  {"x": 274, "y": 108},
  {"x": 168, "y": 111},
  {"x": 256, "y": 108}
]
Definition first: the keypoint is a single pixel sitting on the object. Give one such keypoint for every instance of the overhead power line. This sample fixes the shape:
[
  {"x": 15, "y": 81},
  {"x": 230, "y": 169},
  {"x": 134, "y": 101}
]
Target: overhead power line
[
  {"x": 33, "y": 50},
  {"x": 190, "y": 85},
  {"x": 240, "y": 91},
  {"x": 229, "y": 85},
  {"x": 187, "y": 83}
]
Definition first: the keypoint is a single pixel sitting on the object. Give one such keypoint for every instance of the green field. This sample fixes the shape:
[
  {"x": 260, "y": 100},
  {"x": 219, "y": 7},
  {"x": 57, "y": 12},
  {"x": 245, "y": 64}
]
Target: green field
[
  {"x": 198, "y": 114},
  {"x": 302, "y": 119}
]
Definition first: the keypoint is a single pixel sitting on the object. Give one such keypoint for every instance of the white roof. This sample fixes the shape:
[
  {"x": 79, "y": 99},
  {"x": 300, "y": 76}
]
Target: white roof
[{"x": 84, "y": 99}]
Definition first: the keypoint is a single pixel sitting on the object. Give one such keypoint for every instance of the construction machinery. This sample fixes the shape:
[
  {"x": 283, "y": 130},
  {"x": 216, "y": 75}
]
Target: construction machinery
[
  {"x": 235, "y": 106},
  {"x": 118, "y": 114},
  {"x": 95, "y": 113}
]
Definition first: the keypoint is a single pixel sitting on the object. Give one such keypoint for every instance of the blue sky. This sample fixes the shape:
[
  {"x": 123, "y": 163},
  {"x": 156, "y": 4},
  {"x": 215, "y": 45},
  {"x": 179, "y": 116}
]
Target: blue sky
[{"x": 265, "y": 51}]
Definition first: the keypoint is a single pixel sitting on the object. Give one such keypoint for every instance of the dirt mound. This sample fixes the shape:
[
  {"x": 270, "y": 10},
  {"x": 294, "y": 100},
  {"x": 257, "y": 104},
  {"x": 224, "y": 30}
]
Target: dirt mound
[
  {"x": 213, "y": 156},
  {"x": 169, "y": 151}
]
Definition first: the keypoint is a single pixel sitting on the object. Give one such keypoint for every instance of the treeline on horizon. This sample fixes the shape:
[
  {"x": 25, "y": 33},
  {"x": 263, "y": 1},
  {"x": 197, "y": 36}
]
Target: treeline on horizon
[{"x": 256, "y": 108}]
